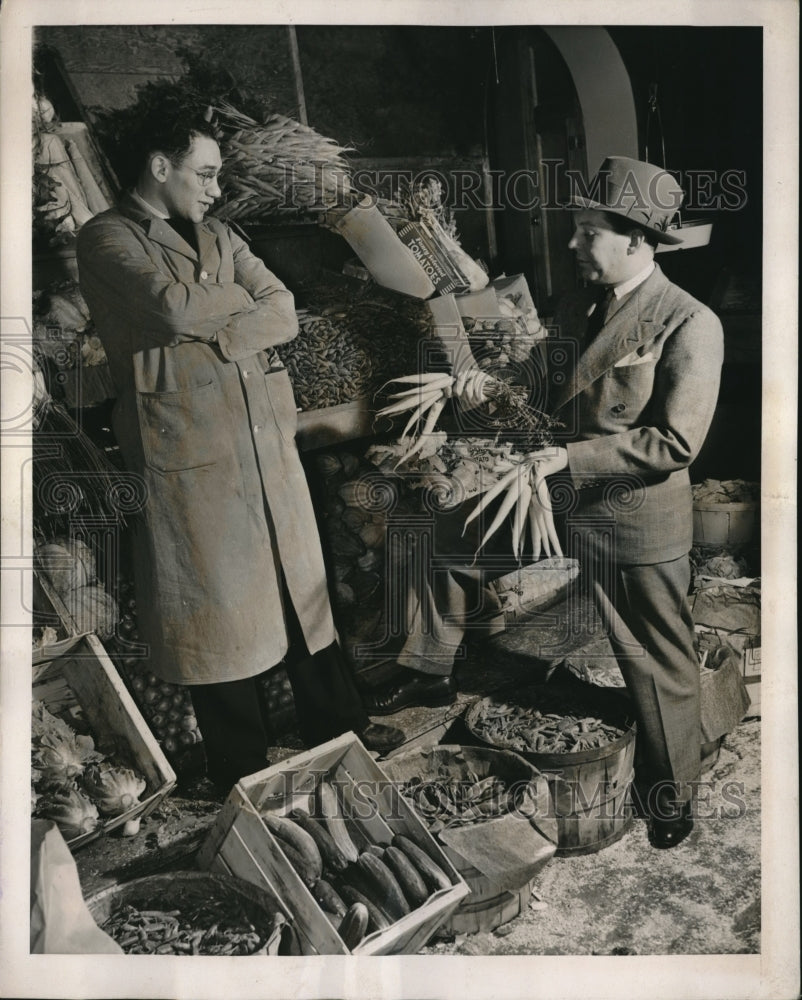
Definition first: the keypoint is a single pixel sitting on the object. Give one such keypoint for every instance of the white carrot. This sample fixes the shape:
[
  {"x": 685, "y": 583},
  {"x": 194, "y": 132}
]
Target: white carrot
[
  {"x": 416, "y": 417},
  {"x": 506, "y": 506},
  {"x": 491, "y": 493},
  {"x": 534, "y": 528},
  {"x": 429, "y": 379},
  {"x": 428, "y": 427},
  {"x": 405, "y": 404},
  {"x": 416, "y": 393},
  {"x": 519, "y": 520},
  {"x": 545, "y": 502}
]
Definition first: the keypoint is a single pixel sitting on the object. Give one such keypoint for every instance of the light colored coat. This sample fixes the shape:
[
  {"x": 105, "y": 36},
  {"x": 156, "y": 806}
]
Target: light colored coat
[
  {"x": 208, "y": 420},
  {"x": 637, "y": 405}
]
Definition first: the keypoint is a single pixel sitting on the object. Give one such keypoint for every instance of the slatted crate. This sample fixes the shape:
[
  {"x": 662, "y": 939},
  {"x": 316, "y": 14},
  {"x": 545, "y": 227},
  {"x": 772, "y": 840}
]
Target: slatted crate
[
  {"x": 240, "y": 843},
  {"x": 84, "y": 688}
]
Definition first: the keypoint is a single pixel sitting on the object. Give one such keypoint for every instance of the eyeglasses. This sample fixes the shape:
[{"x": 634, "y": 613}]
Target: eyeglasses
[{"x": 205, "y": 177}]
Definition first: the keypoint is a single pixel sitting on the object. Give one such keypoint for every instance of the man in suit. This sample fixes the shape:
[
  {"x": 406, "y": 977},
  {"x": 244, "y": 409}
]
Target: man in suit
[{"x": 637, "y": 404}]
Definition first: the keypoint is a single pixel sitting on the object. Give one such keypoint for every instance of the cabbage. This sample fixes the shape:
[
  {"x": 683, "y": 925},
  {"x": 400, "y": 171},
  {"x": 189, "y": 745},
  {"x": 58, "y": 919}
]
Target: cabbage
[
  {"x": 68, "y": 564},
  {"x": 62, "y": 757},
  {"x": 114, "y": 789},
  {"x": 71, "y": 811},
  {"x": 93, "y": 610}
]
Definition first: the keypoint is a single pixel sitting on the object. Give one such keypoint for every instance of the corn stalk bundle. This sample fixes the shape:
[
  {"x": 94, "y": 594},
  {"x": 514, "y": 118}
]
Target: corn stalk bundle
[{"x": 276, "y": 167}]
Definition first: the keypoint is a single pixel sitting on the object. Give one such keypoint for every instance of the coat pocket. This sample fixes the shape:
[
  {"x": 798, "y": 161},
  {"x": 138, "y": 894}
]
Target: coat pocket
[
  {"x": 282, "y": 403},
  {"x": 181, "y": 429}
]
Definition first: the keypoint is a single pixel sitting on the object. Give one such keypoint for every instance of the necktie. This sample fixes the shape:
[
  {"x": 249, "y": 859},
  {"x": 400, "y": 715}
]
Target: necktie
[{"x": 599, "y": 315}]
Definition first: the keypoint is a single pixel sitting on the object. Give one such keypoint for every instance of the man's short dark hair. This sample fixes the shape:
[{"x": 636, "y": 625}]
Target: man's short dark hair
[
  {"x": 624, "y": 226},
  {"x": 171, "y": 133}
]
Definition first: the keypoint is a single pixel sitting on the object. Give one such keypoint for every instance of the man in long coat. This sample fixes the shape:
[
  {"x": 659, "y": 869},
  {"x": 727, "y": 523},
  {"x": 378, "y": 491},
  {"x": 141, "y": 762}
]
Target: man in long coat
[
  {"x": 227, "y": 555},
  {"x": 638, "y": 395}
]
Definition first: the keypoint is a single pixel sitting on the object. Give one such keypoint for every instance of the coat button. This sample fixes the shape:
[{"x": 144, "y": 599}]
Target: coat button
[
  {"x": 256, "y": 428},
  {"x": 245, "y": 374},
  {"x": 618, "y": 408},
  {"x": 204, "y": 275}
]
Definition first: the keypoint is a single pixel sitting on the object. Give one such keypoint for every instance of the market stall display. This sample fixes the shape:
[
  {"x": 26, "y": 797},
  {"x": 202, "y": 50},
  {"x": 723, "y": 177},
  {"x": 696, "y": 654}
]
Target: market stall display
[
  {"x": 501, "y": 806},
  {"x": 263, "y": 834},
  {"x": 582, "y": 739},
  {"x": 193, "y": 913},
  {"x": 95, "y": 765}
]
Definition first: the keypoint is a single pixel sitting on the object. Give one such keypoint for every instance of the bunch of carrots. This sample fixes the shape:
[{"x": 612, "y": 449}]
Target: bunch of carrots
[{"x": 525, "y": 493}]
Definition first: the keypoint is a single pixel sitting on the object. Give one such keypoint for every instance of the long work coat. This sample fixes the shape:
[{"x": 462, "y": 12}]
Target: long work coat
[{"x": 209, "y": 424}]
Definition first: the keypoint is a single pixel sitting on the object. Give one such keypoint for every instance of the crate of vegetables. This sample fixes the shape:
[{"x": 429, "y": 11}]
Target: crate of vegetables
[
  {"x": 491, "y": 812},
  {"x": 96, "y": 767},
  {"x": 328, "y": 832}
]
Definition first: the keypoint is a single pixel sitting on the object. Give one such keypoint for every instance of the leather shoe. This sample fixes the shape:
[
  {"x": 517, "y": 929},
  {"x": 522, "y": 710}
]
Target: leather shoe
[
  {"x": 671, "y": 826},
  {"x": 381, "y": 738},
  {"x": 413, "y": 688}
]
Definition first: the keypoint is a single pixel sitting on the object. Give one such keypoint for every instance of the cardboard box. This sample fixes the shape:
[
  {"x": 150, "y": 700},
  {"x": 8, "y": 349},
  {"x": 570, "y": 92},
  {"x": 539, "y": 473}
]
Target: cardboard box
[
  {"x": 732, "y": 613},
  {"x": 240, "y": 844},
  {"x": 85, "y": 685}
]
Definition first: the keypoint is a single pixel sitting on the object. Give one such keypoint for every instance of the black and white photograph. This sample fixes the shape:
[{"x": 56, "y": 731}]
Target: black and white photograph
[{"x": 399, "y": 517}]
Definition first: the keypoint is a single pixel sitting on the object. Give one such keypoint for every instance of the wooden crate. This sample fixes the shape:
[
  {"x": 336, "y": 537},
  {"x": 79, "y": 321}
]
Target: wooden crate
[
  {"x": 240, "y": 844},
  {"x": 84, "y": 684},
  {"x": 50, "y": 611}
]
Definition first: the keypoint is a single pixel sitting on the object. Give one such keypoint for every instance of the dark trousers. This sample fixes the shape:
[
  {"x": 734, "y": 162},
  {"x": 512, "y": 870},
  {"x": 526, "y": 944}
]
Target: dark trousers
[
  {"x": 648, "y": 621},
  {"x": 235, "y": 722}
]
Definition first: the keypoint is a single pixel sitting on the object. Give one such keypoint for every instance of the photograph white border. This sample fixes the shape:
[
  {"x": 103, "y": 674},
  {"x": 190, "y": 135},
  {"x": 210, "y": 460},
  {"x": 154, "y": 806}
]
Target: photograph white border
[{"x": 774, "y": 974}]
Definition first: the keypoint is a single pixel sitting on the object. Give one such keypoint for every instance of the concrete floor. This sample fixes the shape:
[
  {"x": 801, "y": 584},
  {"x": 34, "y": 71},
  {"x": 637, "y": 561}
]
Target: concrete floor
[{"x": 702, "y": 897}]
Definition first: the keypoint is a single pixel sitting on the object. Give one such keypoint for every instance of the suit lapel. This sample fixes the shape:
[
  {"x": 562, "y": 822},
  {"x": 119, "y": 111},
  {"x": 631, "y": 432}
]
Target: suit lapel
[{"x": 629, "y": 326}]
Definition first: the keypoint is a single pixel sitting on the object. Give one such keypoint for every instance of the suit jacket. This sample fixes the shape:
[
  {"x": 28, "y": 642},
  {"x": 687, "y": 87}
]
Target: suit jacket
[
  {"x": 208, "y": 421},
  {"x": 637, "y": 403}
]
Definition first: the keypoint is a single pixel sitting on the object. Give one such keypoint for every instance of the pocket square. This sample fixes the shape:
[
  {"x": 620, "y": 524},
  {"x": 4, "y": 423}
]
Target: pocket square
[{"x": 635, "y": 359}]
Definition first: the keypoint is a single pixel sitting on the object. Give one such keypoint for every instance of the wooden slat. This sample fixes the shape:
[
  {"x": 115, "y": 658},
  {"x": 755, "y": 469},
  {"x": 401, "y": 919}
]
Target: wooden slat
[
  {"x": 114, "y": 719},
  {"x": 244, "y": 843}
]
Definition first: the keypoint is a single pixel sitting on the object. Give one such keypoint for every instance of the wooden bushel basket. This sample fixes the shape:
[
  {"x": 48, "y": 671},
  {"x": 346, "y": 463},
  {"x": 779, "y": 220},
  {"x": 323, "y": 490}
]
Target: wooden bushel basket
[
  {"x": 590, "y": 788},
  {"x": 173, "y": 890}
]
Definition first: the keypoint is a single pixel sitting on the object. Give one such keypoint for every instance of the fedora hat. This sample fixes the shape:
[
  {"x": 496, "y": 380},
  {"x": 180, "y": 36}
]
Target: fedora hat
[{"x": 645, "y": 194}]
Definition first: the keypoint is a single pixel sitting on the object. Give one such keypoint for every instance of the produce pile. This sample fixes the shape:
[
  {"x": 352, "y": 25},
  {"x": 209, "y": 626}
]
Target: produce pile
[
  {"x": 361, "y": 886},
  {"x": 352, "y": 338},
  {"x": 69, "y": 565},
  {"x": 73, "y": 784},
  {"x": 208, "y": 926},
  {"x": 66, "y": 187},
  {"x": 726, "y": 491},
  {"x": 167, "y": 708},
  {"x": 555, "y": 726},
  {"x": 452, "y": 470},
  {"x": 354, "y": 531},
  {"x": 62, "y": 327},
  {"x": 445, "y": 802}
]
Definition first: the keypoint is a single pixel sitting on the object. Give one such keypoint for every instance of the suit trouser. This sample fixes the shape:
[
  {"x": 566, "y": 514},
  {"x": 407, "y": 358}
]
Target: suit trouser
[
  {"x": 648, "y": 621},
  {"x": 444, "y": 591}
]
